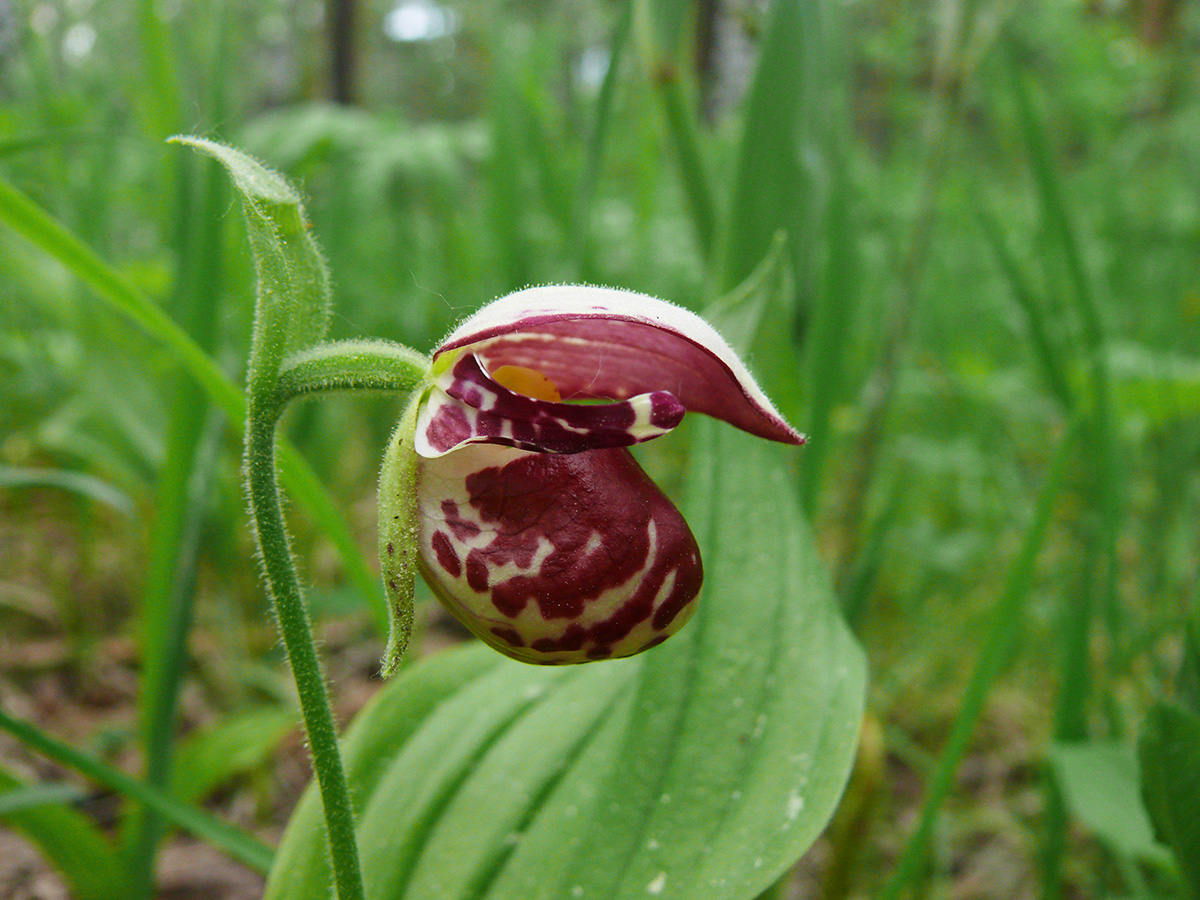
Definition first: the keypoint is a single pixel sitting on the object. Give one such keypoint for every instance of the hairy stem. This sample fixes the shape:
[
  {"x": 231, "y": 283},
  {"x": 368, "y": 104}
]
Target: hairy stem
[
  {"x": 292, "y": 617},
  {"x": 341, "y": 366}
]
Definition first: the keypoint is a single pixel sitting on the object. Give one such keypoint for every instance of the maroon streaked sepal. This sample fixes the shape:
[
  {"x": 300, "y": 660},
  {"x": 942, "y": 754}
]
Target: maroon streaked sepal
[
  {"x": 466, "y": 405},
  {"x": 555, "y": 558},
  {"x": 603, "y": 344}
]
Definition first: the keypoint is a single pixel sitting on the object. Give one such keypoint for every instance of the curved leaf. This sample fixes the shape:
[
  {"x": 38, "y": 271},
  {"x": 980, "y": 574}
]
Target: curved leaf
[
  {"x": 70, "y": 842},
  {"x": 294, "y": 294}
]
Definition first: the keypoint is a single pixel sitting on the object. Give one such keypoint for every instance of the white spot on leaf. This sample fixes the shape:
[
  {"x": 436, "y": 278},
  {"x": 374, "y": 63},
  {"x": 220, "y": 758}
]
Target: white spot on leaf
[
  {"x": 656, "y": 886},
  {"x": 795, "y": 803}
]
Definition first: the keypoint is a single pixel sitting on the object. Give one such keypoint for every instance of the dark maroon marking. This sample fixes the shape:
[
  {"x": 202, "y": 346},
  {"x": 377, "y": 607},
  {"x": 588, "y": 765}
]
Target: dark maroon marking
[
  {"x": 391, "y": 584},
  {"x": 653, "y": 642},
  {"x": 510, "y": 636},
  {"x": 462, "y": 528},
  {"x": 564, "y": 500},
  {"x": 447, "y": 428},
  {"x": 572, "y": 639},
  {"x": 477, "y": 572},
  {"x": 446, "y": 555},
  {"x": 599, "y": 652},
  {"x": 390, "y": 549},
  {"x": 682, "y": 592},
  {"x": 664, "y": 414}
]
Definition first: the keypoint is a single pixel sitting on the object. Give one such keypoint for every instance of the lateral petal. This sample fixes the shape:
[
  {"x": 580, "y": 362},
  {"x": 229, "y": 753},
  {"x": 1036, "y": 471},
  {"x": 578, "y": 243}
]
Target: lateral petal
[{"x": 466, "y": 405}]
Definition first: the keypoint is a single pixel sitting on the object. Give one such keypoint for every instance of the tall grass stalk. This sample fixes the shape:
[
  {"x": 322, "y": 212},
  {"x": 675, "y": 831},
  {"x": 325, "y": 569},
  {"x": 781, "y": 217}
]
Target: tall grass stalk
[
  {"x": 656, "y": 31},
  {"x": 1096, "y": 580},
  {"x": 167, "y": 602},
  {"x": 597, "y": 141}
]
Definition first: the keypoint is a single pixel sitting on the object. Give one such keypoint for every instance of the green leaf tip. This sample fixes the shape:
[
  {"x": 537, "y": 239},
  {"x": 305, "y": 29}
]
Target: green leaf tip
[
  {"x": 251, "y": 177},
  {"x": 295, "y": 296}
]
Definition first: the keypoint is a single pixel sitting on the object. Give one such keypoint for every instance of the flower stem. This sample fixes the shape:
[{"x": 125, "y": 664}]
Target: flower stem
[
  {"x": 344, "y": 366},
  {"x": 292, "y": 618}
]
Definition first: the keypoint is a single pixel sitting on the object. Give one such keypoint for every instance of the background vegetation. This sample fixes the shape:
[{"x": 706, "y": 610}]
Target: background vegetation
[{"x": 992, "y": 218}]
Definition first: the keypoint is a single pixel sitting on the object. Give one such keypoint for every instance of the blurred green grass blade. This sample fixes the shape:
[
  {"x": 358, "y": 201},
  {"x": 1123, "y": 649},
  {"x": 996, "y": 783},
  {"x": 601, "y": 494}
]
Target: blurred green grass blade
[
  {"x": 70, "y": 842},
  {"x": 1058, "y": 219},
  {"x": 10, "y": 145},
  {"x": 1002, "y": 631},
  {"x": 159, "y": 96},
  {"x": 1169, "y": 752},
  {"x": 1053, "y": 203},
  {"x": 167, "y": 607},
  {"x": 660, "y": 25},
  {"x": 16, "y": 799},
  {"x": 771, "y": 190},
  {"x": 507, "y": 202},
  {"x": 236, "y": 843},
  {"x": 826, "y": 349},
  {"x": 656, "y": 26},
  {"x": 856, "y": 592},
  {"x": 597, "y": 141},
  {"x": 678, "y": 108},
  {"x": 75, "y": 482},
  {"x": 212, "y": 756},
  {"x": 1187, "y": 683},
  {"x": 30, "y": 221},
  {"x": 181, "y": 504},
  {"x": 549, "y": 149},
  {"x": 1048, "y": 356}
]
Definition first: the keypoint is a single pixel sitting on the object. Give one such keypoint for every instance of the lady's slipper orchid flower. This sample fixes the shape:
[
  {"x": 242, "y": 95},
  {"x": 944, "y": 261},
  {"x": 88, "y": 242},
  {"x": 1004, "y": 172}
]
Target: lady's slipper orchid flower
[{"x": 535, "y": 526}]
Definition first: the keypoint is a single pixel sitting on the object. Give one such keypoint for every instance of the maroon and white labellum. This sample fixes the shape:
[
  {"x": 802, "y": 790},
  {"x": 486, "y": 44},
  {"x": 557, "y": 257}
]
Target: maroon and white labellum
[
  {"x": 555, "y": 558},
  {"x": 536, "y": 528}
]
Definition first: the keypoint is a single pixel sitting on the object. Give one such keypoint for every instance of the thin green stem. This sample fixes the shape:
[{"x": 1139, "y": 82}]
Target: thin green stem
[
  {"x": 292, "y": 618},
  {"x": 350, "y": 366},
  {"x": 347, "y": 365}
]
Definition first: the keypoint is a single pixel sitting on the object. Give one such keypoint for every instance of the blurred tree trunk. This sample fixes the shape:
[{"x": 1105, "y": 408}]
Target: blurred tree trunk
[
  {"x": 1157, "y": 20},
  {"x": 343, "y": 61},
  {"x": 707, "y": 12}
]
